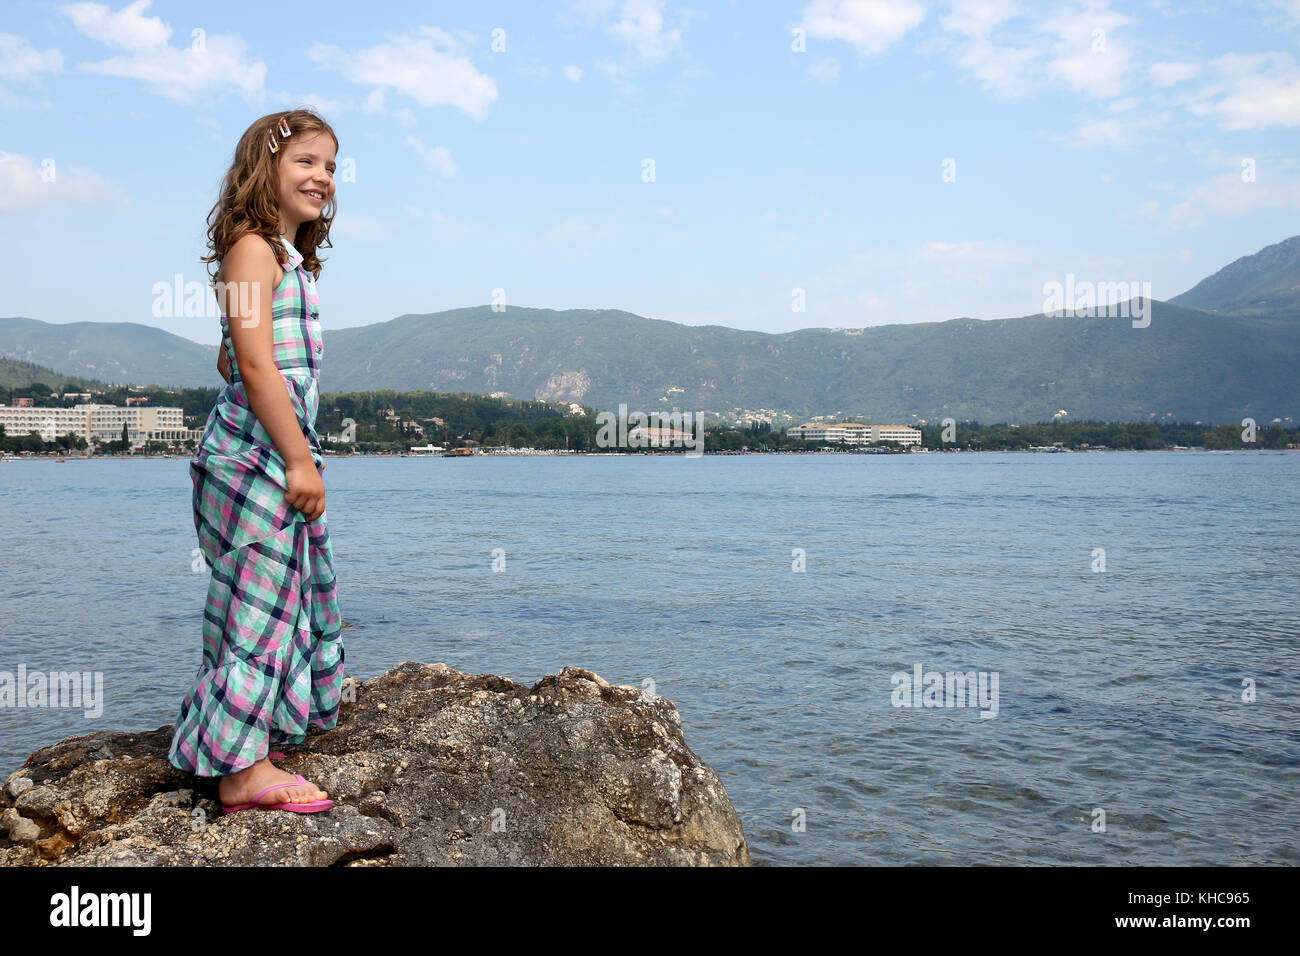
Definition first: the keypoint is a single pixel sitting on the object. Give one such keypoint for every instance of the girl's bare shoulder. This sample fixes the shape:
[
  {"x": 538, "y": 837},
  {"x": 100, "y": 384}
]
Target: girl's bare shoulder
[{"x": 250, "y": 255}]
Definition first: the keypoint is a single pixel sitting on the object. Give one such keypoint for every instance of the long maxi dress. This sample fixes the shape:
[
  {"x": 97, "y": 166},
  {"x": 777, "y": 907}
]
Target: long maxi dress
[{"x": 272, "y": 632}]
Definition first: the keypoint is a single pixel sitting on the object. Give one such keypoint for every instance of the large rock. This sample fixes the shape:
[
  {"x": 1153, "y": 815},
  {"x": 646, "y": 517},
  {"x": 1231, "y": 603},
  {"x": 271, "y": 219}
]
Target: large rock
[{"x": 427, "y": 766}]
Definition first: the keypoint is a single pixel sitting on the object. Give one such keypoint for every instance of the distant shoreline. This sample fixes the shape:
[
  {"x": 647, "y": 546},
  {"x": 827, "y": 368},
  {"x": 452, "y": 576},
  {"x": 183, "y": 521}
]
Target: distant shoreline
[{"x": 670, "y": 454}]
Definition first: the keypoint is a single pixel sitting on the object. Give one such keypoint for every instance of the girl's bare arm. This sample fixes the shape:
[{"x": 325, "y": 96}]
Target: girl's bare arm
[{"x": 250, "y": 261}]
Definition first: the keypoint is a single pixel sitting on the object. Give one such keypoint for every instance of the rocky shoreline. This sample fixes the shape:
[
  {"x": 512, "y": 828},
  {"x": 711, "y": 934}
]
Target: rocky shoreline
[{"x": 428, "y": 766}]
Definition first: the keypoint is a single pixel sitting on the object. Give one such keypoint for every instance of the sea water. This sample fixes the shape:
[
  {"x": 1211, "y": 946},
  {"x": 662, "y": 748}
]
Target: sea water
[{"x": 1134, "y": 614}]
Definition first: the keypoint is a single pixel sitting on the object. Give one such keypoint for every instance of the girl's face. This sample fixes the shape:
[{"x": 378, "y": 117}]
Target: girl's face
[{"x": 306, "y": 167}]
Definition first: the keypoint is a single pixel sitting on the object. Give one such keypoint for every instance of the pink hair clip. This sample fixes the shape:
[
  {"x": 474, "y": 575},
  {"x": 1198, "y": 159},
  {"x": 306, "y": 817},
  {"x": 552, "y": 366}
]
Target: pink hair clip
[{"x": 284, "y": 131}]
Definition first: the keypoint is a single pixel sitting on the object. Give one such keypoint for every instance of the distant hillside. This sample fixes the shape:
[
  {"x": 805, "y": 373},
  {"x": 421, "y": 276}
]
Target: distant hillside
[
  {"x": 1267, "y": 283},
  {"x": 1187, "y": 365},
  {"x": 15, "y": 373},
  {"x": 120, "y": 353}
]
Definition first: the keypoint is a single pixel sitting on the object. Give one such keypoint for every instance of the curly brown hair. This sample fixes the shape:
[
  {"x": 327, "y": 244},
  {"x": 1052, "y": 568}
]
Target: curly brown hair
[{"x": 250, "y": 190}]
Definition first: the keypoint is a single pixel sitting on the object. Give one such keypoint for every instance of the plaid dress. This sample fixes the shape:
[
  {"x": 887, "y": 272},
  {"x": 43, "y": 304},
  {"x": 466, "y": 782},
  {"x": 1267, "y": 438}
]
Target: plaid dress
[{"x": 272, "y": 638}]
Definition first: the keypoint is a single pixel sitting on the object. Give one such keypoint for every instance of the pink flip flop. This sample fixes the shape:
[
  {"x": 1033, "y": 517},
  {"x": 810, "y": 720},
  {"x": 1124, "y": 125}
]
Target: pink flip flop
[{"x": 315, "y": 806}]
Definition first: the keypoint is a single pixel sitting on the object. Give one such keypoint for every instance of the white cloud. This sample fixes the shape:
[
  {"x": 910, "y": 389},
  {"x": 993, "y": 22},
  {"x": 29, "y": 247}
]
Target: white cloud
[
  {"x": 209, "y": 64},
  {"x": 1238, "y": 185},
  {"x": 1291, "y": 8},
  {"x": 1089, "y": 53},
  {"x": 351, "y": 225},
  {"x": 321, "y": 104},
  {"x": 646, "y": 38},
  {"x": 19, "y": 60},
  {"x": 593, "y": 11},
  {"x": 1168, "y": 73},
  {"x": 1090, "y": 133},
  {"x": 641, "y": 27},
  {"x": 982, "y": 253},
  {"x": 869, "y": 26},
  {"x": 27, "y": 183},
  {"x": 1227, "y": 194},
  {"x": 826, "y": 70},
  {"x": 1088, "y": 48},
  {"x": 1013, "y": 54},
  {"x": 1003, "y": 71},
  {"x": 437, "y": 158},
  {"x": 127, "y": 29},
  {"x": 429, "y": 65},
  {"x": 977, "y": 18},
  {"x": 1255, "y": 91},
  {"x": 1115, "y": 131}
]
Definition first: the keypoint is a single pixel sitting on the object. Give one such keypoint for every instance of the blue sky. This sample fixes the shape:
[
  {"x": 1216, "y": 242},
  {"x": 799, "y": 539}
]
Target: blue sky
[{"x": 795, "y": 146}]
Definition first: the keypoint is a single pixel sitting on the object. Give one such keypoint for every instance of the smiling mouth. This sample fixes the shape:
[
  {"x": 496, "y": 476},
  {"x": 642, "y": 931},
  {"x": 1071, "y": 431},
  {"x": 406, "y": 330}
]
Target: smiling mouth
[{"x": 315, "y": 196}]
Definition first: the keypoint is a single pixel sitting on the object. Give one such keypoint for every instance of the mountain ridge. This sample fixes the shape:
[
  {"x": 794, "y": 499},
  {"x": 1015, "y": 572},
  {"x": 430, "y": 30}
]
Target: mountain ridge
[
  {"x": 1189, "y": 364},
  {"x": 1266, "y": 282}
]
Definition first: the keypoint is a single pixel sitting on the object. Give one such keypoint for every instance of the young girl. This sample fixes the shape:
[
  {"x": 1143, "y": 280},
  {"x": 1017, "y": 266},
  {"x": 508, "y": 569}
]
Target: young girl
[{"x": 272, "y": 645}]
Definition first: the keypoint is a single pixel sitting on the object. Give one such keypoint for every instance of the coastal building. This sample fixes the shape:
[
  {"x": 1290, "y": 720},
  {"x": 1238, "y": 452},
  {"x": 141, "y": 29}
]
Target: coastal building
[
  {"x": 655, "y": 437},
  {"x": 98, "y": 422},
  {"x": 902, "y": 434},
  {"x": 851, "y": 433},
  {"x": 854, "y": 433}
]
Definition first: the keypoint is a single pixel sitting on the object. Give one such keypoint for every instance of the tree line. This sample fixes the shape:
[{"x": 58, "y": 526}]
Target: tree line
[{"x": 462, "y": 419}]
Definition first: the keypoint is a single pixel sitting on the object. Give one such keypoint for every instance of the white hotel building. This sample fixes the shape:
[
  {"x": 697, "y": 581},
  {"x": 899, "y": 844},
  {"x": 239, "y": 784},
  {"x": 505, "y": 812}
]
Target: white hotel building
[
  {"x": 852, "y": 433},
  {"x": 98, "y": 422}
]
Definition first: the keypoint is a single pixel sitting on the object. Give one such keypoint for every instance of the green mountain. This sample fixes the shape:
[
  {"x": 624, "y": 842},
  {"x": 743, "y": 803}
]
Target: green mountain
[
  {"x": 18, "y": 374},
  {"x": 1188, "y": 364},
  {"x": 1267, "y": 284},
  {"x": 120, "y": 353}
]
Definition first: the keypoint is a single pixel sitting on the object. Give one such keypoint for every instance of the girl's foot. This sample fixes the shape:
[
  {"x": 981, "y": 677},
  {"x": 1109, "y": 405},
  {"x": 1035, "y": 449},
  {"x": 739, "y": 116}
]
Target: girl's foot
[{"x": 243, "y": 786}]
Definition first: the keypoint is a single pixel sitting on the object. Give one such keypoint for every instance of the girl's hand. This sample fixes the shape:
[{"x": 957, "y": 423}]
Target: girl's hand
[{"x": 306, "y": 490}]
